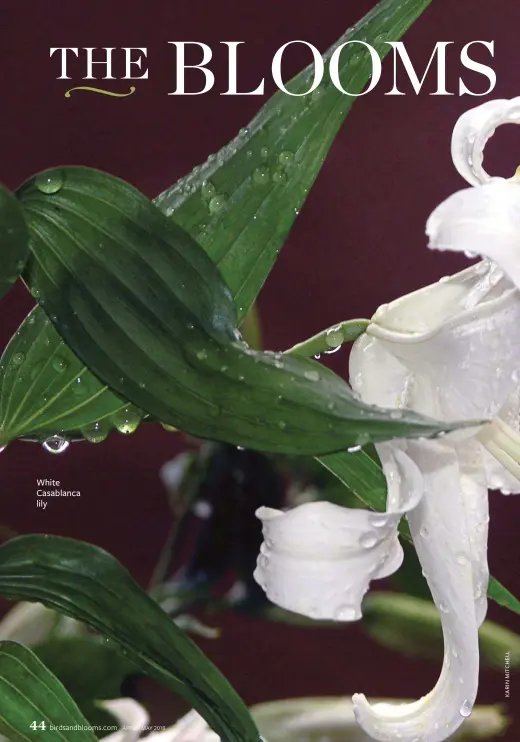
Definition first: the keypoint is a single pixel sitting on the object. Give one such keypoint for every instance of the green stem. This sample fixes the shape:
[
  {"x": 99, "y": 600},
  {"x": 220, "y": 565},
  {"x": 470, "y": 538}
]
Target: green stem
[{"x": 329, "y": 340}]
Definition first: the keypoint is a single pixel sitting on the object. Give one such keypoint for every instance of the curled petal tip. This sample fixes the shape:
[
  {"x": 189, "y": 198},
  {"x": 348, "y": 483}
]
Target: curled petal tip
[{"x": 472, "y": 131}]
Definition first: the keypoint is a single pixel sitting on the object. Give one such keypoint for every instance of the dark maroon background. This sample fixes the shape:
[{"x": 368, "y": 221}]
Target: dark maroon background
[{"x": 358, "y": 242}]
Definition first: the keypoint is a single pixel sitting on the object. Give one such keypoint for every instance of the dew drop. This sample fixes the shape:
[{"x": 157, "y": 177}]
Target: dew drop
[
  {"x": 466, "y": 708},
  {"x": 396, "y": 414},
  {"x": 50, "y": 182},
  {"x": 278, "y": 174},
  {"x": 18, "y": 359},
  {"x": 59, "y": 364},
  {"x": 368, "y": 540},
  {"x": 261, "y": 175},
  {"x": 354, "y": 449},
  {"x": 208, "y": 190},
  {"x": 127, "y": 420},
  {"x": 282, "y": 424},
  {"x": 285, "y": 158},
  {"x": 345, "y": 613},
  {"x": 462, "y": 560},
  {"x": 264, "y": 153},
  {"x": 202, "y": 355},
  {"x": 78, "y": 386},
  {"x": 443, "y": 607},
  {"x": 424, "y": 532},
  {"x": 96, "y": 433},
  {"x": 312, "y": 375},
  {"x": 334, "y": 337},
  {"x": 169, "y": 428},
  {"x": 378, "y": 520},
  {"x": 217, "y": 203},
  {"x": 55, "y": 444}
]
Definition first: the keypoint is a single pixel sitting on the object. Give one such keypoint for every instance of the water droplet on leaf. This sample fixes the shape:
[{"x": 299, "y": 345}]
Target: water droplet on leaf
[
  {"x": 127, "y": 420},
  {"x": 95, "y": 433},
  {"x": 59, "y": 364},
  {"x": 261, "y": 175},
  {"x": 50, "y": 182},
  {"x": 56, "y": 444}
]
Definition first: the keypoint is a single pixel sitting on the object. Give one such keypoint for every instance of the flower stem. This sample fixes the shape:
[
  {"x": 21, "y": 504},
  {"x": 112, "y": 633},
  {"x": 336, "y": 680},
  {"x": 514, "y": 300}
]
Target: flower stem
[{"x": 330, "y": 340}]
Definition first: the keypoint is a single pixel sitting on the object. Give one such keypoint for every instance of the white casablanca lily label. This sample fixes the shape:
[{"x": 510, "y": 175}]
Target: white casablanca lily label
[{"x": 450, "y": 351}]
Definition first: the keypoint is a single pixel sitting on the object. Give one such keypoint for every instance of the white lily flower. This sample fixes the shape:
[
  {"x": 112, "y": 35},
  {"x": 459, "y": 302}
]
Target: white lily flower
[
  {"x": 290, "y": 720},
  {"x": 450, "y": 351}
]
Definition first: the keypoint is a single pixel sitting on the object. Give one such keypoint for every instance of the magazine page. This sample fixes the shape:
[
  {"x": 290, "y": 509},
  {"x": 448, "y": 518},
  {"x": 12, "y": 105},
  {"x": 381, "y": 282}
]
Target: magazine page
[{"x": 260, "y": 373}]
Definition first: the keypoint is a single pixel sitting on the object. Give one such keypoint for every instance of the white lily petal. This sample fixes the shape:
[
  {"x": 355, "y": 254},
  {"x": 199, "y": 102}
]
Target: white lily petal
[
  {"x": 462, "y": 367},
  {"x": 189, "y": 728},
  {"x": 441, "y": 530},
  {"x": 472, "y": 131},
  {"x": 28, "y": 623},
  {"x": 129, "y": 714},
  {"x": 319, "y": 558},
  {"x": 483, "y": 220}
]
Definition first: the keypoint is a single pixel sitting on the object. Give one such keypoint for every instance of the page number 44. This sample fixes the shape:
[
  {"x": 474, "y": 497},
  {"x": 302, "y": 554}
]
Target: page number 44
[{"x": 35, "y": 725}]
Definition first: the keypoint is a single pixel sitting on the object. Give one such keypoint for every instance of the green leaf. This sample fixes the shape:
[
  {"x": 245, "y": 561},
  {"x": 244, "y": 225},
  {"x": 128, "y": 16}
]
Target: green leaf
[
  {"x": 45, "y": 389},
  {"x": 14, "y": 242},
  {"x": 362, "y": 474},
  {"x": 83, "y": 581},
  {"x": 241, "y": 204},
  {"x": 502, "y": 596},
  {"x": 413, "y": 626},
  {"x": 29, "y": 693},
  {"x": 146, "y": 310},
  {"x": 90, "y": 670}
]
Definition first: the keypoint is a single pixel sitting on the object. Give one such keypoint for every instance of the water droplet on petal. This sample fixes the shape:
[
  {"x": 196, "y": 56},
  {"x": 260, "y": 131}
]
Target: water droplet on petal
[
  {"x": 378, "y": 520},
  {"x": 345, "y": 613},
  {"x": 443, "y": 607},
  {"x": 368, "y": 540},
  {"x": 424, "y": 532},
  {"x": 56, "y": 444},
  {"x": 396, "y": 414},
  {"x": 466, "y": 708},
  {"x": 50, "y": 182}
]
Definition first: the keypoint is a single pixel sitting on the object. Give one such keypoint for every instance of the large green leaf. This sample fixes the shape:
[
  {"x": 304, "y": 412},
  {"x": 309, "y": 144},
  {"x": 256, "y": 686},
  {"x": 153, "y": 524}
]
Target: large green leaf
[
  {"x": 241, "y": 204},
  {"x": 90, "y": 669},
  {"x": 146, "y": 310},
  {"x": 83, "y": 581},
  {"x": 362, "y": 474},
  {"x": 14, "y": 243},
  {"x": 30, "y": 693},
  {"x": 45, "y": 389}
]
